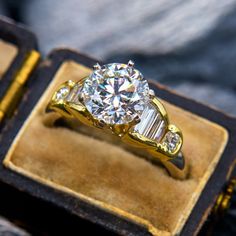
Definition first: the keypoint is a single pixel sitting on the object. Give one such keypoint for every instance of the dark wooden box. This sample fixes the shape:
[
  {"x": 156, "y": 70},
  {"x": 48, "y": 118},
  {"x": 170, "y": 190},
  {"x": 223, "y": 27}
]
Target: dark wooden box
[{"x": 41, "y": 208}]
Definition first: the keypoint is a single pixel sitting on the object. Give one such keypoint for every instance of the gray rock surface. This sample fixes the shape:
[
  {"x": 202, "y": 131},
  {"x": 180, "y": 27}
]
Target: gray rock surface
[
  {"x": 9, "y": 229},
  {"x": 222, "y": 99},
  {"x": 105, "y": 27},
  {"x": 2, "y": 10},
  {"x": 185, "y": 42}
]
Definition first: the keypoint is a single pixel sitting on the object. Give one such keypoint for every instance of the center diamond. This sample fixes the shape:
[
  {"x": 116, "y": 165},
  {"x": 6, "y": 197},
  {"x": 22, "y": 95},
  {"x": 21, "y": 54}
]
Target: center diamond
[{"x": 115, "y": 93}]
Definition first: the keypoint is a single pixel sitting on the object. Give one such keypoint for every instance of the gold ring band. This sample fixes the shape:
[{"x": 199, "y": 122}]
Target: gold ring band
[{"x": 117, "y": 99}]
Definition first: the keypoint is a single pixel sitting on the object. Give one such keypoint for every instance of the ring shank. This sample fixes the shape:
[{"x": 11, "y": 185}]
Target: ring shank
[{"x": 177, "y": 167}]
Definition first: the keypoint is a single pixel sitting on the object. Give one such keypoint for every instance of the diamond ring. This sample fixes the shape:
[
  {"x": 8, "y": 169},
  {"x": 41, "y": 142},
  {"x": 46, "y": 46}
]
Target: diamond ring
[{"x": 116, "y": 98}]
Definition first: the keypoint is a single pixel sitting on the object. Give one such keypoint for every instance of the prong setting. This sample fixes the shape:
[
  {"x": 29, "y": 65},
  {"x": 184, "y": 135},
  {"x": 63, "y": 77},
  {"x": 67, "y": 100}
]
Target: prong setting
[
  {"x": 100, "y": 124},
  {"x": 97, "y": 66},
  {"x": 151, "y": 93},
  {"x": 137, "y": 119},
  {"x": 130, "y": 63},
  {"x": 111, "y": 94}
]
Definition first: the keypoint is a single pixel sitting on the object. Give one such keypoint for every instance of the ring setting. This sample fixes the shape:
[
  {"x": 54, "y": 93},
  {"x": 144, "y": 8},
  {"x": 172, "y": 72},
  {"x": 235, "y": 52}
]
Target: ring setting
[{"x": 116, "y": 97}]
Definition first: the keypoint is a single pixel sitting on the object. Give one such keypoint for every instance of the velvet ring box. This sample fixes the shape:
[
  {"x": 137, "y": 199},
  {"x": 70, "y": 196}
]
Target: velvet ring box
[{"x": 106, "y": 184}]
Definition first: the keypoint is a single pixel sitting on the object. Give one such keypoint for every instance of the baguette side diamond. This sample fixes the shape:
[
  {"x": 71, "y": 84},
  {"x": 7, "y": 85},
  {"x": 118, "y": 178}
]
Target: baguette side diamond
[
  {"x": 151, "y": 123},
  {"x": 74, "y": 94}
]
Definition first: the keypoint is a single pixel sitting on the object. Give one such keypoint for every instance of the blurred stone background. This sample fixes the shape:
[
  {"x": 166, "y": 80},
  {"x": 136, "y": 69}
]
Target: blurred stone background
[
  {"x": 189, "y": 45},
  {"x": 9, "y": 229}
]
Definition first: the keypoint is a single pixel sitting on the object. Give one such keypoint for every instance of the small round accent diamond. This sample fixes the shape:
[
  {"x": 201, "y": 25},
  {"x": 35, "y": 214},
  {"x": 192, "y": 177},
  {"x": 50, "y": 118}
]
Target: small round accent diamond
[
  {"x": 115, "y": 93},
  {"x": 171, "y": 140},
  {"x": 62, "y": 93}
]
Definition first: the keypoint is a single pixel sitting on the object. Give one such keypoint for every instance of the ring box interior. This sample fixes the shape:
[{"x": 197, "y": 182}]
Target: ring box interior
[{"x": 106, "y": 184}]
